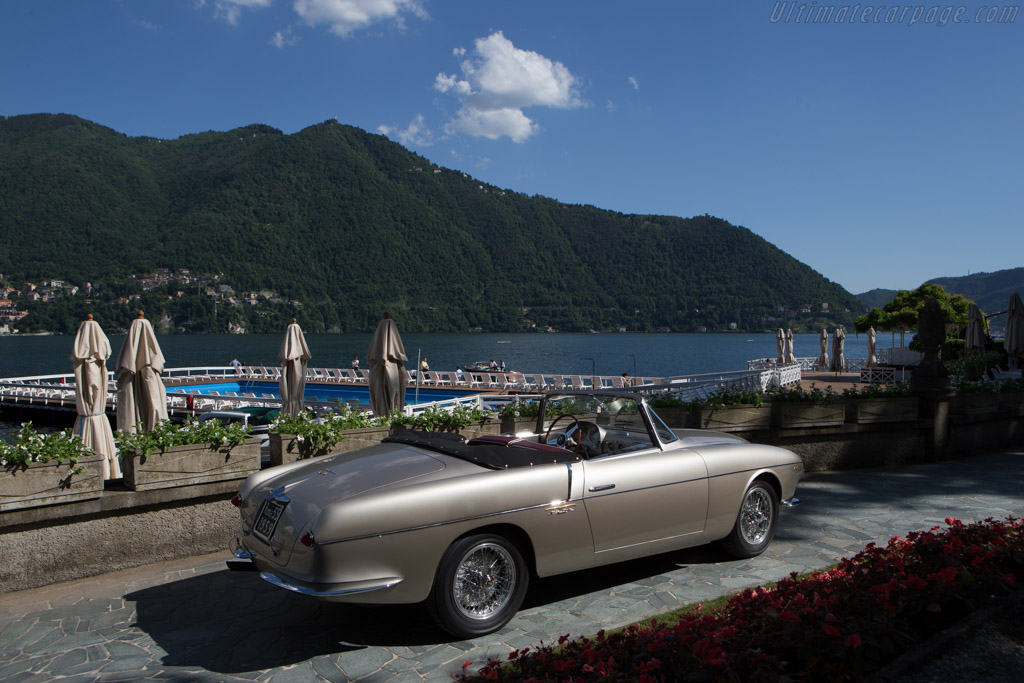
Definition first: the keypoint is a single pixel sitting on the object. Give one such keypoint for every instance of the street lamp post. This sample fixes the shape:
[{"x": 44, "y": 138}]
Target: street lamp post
[{"x": 593, "y": 366}]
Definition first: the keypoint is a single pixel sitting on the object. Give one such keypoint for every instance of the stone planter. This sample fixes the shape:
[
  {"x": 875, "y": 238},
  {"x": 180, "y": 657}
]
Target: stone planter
[
  {"x": 735, "y": 418},
  {"x": 882, "y": 409},
  {"x": 481, "y": 428},
  {"x": 801, "y": 414},
  {"x": 193, "y": 464},
  {"x": 518, "y": 425},
  {"x": 47, "y": 483},
  {"x": 285, "y": 448},
  {"x": 470, "y": 431},
  {"x": 974, "y": 407},
  {"x": 675, "y": 417},
  {"x": 1011, "y": 404}
]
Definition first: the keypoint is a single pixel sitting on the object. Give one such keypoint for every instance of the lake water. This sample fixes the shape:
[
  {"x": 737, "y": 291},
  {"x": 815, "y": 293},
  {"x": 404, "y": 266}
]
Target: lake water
[
  {"x": 555, "y": 353},
  {"x": 643, "y": 354}
]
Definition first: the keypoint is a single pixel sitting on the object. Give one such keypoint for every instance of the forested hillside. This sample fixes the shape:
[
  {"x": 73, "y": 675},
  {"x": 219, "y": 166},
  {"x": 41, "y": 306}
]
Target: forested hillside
[
  {"x": 351, "y": 225},
  {"x": 991, "y": 291}
]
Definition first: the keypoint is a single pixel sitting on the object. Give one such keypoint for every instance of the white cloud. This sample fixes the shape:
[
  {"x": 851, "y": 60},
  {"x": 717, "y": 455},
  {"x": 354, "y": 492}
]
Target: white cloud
[
  {"x": 499, "y": 82},
  {"x": 231, "y": 10},
  {"x": 633, "y": 82},
  {"x": 346, "y": 16},
  {"x": 283, "y": 39},
  {"x": 416, "y": 133}
]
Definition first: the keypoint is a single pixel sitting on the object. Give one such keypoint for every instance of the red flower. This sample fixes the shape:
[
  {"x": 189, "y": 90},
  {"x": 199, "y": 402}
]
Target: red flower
[
  {"x": 1011, "y": 580},
  {"x": 852, "y": 640},
  {"x": 831, "y": 631}
]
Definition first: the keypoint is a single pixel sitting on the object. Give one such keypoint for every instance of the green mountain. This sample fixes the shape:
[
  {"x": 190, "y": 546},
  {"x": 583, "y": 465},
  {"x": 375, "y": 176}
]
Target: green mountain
[
  {"x": 351, "y": 225},
  {"x": 991, "y": 291},
  {"x": 876, "y": 298}
]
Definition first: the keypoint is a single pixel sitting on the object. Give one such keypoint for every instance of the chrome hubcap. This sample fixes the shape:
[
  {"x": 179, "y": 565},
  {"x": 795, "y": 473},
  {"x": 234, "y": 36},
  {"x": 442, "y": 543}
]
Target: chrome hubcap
[
  {"x": 756, "y": 516},
  {"x": 484, "y": 581}
]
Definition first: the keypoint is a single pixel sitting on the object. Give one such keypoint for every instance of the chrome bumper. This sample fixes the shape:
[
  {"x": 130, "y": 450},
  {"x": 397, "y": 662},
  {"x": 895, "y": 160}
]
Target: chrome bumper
[{"x": 330, "y": 591}]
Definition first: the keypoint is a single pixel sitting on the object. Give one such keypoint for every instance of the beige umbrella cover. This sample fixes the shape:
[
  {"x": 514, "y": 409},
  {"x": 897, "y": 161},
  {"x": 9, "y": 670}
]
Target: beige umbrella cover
[
  {"x": 872, "y": 358},
  {"x": 790, "y": 356},
  {"x": 141, "y": 395},
  {"x": 975, "y": 338},
  {"x": 1013, "y": 339},
  {"x": 89, "y": 357},
  {"x": 838, "y": 342},
  {"x": 388, "y": 376},
  {"x": 294, "y": 355},
  {"x": 823, "y": 356},
  {"x": 780, "y": 346}
]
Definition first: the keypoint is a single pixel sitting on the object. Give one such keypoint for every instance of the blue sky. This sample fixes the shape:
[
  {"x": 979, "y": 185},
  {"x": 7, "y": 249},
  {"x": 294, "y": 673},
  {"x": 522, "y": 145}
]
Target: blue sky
[{"x": 882, "y": 151}]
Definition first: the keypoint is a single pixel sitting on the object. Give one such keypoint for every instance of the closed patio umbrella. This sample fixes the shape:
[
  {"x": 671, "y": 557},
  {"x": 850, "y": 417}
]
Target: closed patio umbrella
[
  {"x": 780, "y": 345},
  {"x": 294, "y": 355},
  {"x": 838, "y": 344},
  {"x": 141, "y": 395},
  {"x": 790, "y": 356},
  {"x": 823, "y": 355},
  {"x": 1013, "y": 339},
  {"x": 872, "y": 358},
  {"x": 388, "y": 377},
  {"x": 975, "y": 338},
  {"x": 89, "y": 357}
]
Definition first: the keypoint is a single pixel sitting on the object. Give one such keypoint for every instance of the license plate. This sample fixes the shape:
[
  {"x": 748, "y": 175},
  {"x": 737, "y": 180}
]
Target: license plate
[{"x": 268, "y": 518}]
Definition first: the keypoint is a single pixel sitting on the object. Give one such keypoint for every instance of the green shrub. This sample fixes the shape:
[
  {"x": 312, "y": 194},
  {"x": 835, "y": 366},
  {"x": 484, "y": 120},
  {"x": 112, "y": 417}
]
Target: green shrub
[
  {"x": 798, "y": 393},
  {"x": 169, "y": 434},
  {"x": 31, "y": 446},
  {"x": 878, "y": 391}
]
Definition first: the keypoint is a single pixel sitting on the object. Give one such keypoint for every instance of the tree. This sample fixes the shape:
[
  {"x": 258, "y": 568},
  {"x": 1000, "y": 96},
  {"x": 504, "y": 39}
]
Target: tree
[{"x": 903, "y": 311}]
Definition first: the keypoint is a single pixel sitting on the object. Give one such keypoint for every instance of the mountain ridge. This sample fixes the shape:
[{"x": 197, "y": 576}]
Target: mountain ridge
[{"x": 352, "y": 224}]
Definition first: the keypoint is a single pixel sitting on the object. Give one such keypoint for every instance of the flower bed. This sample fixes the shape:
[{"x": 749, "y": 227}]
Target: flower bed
[
  {"x": 173, "y": 455},
  {"x": 841, "y": 624},
  {"x": 874, "y": 403},
  {"x": 46, "y": 470},
  {"x": 798, "y": 408}
]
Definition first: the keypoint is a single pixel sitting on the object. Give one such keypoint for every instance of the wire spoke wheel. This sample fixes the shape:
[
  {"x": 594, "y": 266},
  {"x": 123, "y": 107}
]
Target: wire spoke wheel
[
  {"x": 484, "y": 581},
  {"x": 756, "y": 516},
  {"x": 755, "y": 524},
  {"x": 479, "y": 585}
]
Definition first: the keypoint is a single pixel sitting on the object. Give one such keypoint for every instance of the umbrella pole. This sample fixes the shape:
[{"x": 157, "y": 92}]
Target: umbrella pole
[{"x": 419, "y": 371}]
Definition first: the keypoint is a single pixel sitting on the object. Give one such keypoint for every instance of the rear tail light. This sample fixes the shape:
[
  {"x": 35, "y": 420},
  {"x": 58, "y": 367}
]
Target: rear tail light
[
  {"x": 307, "y": 539},
  {"x": 237, "y": 500}
]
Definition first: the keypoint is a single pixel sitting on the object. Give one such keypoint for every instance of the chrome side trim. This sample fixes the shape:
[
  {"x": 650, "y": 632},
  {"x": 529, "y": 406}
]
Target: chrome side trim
[
  {"x": 540, "y": 506},
  {"x": 350, "y": 589}
]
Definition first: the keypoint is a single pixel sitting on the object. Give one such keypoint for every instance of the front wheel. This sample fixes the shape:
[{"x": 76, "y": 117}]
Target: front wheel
[
  {"x": 756, "y": 522},
  {"x": 479, "y": 586}
]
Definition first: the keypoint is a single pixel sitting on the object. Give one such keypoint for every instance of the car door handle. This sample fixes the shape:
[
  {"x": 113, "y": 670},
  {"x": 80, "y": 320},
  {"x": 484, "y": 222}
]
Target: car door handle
[{"x": 603, "y": 487}]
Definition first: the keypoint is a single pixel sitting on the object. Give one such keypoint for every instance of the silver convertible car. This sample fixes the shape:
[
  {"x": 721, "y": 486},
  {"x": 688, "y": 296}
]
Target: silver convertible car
[{"x": 463, "y": 525}]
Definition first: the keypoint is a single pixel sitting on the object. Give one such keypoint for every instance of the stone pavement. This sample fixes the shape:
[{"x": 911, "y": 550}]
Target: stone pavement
[{"x": 192, "y": 620}]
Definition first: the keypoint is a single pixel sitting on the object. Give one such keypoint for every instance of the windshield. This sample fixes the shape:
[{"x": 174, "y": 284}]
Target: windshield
[{"x": 595, "y": 424}]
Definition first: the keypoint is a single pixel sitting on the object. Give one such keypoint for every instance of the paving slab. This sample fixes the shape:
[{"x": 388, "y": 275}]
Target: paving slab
[{"x": 192, "y": 619}]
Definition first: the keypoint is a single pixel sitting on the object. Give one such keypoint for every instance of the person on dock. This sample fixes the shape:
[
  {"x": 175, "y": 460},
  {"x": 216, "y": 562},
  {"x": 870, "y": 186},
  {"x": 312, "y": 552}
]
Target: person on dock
[
  {"x": 236, "y": 365},
  {"x": 424, "y": 366},
  {"x": 355, "y": 364}
]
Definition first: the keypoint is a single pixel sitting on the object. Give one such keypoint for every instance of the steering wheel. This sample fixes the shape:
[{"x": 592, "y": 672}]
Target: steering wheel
[
  {"x": 547, "y": 436},
  {"x": 590, "y": 437}
]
